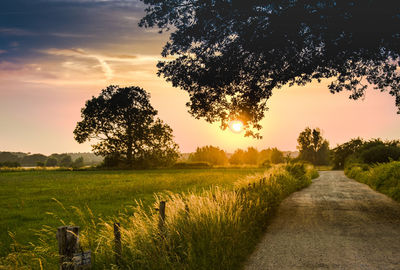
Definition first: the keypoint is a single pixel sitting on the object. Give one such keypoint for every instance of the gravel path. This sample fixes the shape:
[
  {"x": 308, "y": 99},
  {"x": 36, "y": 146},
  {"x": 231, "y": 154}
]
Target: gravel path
[{"x": 336, "y": 223}]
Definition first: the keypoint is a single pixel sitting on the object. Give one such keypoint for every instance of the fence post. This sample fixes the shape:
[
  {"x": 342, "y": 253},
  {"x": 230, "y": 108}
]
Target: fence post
[
  {"x": 161, "y": 217},
  {"x": 117, "y": 242},
  {"x": 67, "y": 237}
]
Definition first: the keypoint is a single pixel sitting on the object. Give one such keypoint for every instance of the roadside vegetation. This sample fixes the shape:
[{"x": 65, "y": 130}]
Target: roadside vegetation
[
  {"x": 384, "y": 177},
  {"x": 374, "y": 162},
  {"x": 212, "y": 228}
]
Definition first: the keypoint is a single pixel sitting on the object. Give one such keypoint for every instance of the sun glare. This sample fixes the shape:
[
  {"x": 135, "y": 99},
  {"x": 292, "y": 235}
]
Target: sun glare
[{"x": 236, "y": 126}]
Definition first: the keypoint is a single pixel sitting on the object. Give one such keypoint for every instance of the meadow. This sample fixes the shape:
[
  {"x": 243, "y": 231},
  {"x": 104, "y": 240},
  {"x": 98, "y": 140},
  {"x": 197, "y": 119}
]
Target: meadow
[
  {"x": 212, "y": 225},
  {"x": 31, "y": 199}
]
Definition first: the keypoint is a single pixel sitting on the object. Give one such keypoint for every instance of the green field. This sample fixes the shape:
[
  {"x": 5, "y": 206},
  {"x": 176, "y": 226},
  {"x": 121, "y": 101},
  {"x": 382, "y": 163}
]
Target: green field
[{"x": 26, "y": 197}]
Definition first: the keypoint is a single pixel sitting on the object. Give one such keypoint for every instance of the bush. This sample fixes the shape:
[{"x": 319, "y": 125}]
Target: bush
[
  {"x": 384, "y": 178},
  {"x": 370, "y": 152},
  {"x": 380, "y": 154}
]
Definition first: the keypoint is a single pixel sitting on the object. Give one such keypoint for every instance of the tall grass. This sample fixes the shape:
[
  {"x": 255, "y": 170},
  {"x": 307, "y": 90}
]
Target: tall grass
[
  {"x": 384, "y": 177},
  {"x": 214, "y": 229}
]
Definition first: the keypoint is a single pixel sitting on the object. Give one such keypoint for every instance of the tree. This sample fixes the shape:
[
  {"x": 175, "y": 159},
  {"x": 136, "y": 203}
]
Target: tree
[
  {"x": 78, "y": 163},
  {"x": 265, "y": 155},
  {"x": 9, "y": 157},
  {"x": 66, "y": 161},
  {"x": 313, "y": 147},
  {"x": 251, "y": 156},
  {"x": 123, "y": 123},
  {"x": 32, "y": 160},
  {"x": 229, "y": 55},
  {"x": 211, "y": 154},
  {"x": 237, "y": 157},
  {"x": 51, "y": 162},
  {"x": 343, "y": 151},
  {"x": 276, "y": 156}
]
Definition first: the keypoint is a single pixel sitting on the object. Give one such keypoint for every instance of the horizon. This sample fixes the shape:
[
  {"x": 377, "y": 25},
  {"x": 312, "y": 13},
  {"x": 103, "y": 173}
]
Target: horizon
[{"x": 55, "y": 55}]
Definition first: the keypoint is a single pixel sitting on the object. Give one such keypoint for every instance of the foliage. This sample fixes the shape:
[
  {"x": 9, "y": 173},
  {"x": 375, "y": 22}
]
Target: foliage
[
  {"x": 51, "y": 162},
  {"x": 380, "y": 154},
  {"x": 251, "y": 156},
  {"x": 32, "y": 160},
  {"x": 10, "y": 164},
  {"x": 276, "y": 156},
  {"x": 214, "y": 229},
  {"x": 384, "y": 178},
  {"x": 123, "y": 122},
  {"x": 343, "y": 151},
  {"x": 360, "y": 151},
  {"x": 313, "y": 147},
  {"x": 211, "y": 154},
  {"x": 78, "y": 163},
  {"x": 230, "y": 55},
  {"x": 237, "y": 157},
  {"x": 9, "y": 157},
  {"x": 66, "y": 161}
]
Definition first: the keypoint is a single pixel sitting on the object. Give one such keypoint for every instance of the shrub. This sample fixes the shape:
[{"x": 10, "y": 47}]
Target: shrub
[
  {"x": 380, "y": 154},
  {"x": 384, "y": 178}
]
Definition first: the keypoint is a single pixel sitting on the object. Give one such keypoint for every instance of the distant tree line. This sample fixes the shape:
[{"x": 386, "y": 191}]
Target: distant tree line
[
  {"x": 76, "y": 160},
  {"x": 216, "y": 156}
]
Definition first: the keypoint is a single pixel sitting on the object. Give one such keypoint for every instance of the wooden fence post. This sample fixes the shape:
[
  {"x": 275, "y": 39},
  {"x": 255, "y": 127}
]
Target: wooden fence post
[
  {"x": 117, "y": 242},
  {"x": 161, "y": 220},
  {"x": 67, "y": 237}
]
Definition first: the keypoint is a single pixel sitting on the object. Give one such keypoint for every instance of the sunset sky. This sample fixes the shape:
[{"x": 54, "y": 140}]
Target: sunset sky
[{"x": 56, "y": 54}]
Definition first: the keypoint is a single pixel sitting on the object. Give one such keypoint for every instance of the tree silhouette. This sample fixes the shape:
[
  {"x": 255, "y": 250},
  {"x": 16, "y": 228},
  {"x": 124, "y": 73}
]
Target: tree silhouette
[
  {"x": 123, "y": 123},
  {"x": 313, "y": 147},
  {"x": 230, "y": 54}
]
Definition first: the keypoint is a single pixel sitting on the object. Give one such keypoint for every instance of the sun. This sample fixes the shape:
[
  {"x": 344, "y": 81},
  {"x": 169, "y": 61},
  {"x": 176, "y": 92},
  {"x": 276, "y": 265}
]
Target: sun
[{"x": 236, "y": 126}]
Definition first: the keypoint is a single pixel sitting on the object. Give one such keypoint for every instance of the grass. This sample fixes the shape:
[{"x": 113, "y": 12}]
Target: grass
[
  {"x": 323, "y": 167},
  {"x": 26, "y": 197},
  {"x": 211, "y": 229},
  {"x": 384, "y": 177}
]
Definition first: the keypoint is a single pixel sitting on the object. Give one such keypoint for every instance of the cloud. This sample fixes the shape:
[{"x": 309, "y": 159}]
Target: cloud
[
  {"x": 3, "y": 51},
  {"x": 15, "y": 32},
  {"x": 71, "y": 35},
  {"x": 104, "y": 59}
]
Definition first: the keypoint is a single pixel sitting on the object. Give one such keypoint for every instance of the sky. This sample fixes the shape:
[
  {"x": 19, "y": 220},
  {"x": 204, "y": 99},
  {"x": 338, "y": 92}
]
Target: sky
[{"x": 56, "y": 54}]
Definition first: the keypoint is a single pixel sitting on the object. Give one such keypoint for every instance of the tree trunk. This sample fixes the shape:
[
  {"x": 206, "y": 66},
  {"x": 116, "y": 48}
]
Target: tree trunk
[{"x": 129, "y": 157}]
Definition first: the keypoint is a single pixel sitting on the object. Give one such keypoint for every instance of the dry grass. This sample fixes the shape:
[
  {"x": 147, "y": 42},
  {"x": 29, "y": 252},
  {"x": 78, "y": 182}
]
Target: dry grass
[{"x": 214, "y": 229}]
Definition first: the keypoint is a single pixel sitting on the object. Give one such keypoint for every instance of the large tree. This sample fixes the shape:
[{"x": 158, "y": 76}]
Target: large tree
[
  {"x": 230, "y": 54},
  {"x": 122, "y": 122}
]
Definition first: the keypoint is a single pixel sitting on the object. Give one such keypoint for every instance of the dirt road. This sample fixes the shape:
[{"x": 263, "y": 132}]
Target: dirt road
[{"x": 336, "y": 223}]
